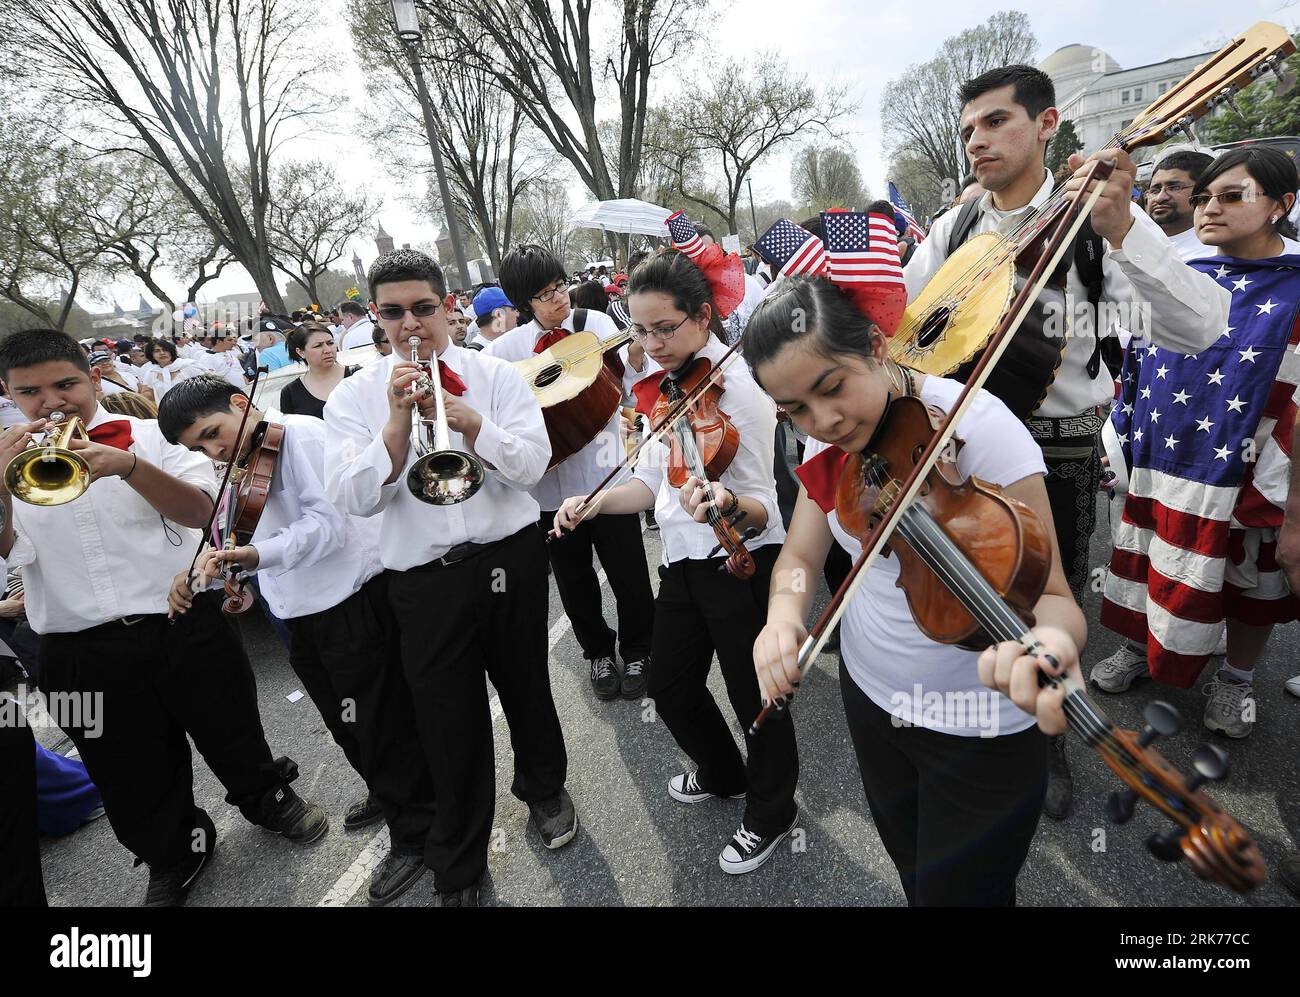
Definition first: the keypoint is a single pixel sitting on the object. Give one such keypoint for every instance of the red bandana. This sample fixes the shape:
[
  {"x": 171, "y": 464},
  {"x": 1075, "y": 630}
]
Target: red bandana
[
  {"x": 647, "y": 393},
  {"x": 116, "y": 433},
  {"x": 821, "y": 476},
  {"x": 451, "y": 382},
  {"x": 549, "y": 339}
]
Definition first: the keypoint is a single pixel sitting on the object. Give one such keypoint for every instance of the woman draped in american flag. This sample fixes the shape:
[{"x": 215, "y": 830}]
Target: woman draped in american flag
[
  {"x": 1204, "y": 442},
  {"x": 954, "y": 772}
]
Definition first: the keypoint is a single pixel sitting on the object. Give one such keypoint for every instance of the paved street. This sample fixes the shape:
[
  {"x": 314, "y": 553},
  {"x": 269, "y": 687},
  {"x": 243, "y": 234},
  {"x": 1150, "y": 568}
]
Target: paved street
[{"x": 637, "y": 846}]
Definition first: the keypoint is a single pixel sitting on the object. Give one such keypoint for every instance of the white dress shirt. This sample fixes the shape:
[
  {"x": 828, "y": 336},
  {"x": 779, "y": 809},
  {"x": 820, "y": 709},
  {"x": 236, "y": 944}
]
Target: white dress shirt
[
  {"x": 1188, "y": 310},
  {"x": 109, "y": 553},
  {"x": 749, "y": 475},
  {"x": 360, "y": 333},
  {"x": 582, "y": 472},
  {"x": 310, "y": 556},
  {"x": 225, "y": 365},
  {"x": 512, "y": 440},
  {"x": 161, "y": 379}
]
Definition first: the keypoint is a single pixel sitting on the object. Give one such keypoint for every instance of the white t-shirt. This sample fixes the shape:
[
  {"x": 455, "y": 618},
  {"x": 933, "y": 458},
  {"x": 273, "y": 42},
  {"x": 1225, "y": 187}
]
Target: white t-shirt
[{"x": 896, "y": 665}]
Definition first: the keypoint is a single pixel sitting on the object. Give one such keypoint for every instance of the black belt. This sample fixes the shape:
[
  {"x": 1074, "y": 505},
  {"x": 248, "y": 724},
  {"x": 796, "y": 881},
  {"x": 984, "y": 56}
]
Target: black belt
[{"x": 461, "y": 552}]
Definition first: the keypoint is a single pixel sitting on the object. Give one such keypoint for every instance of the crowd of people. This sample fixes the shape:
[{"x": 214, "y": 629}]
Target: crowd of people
[{"x": 1201, "y": 267}]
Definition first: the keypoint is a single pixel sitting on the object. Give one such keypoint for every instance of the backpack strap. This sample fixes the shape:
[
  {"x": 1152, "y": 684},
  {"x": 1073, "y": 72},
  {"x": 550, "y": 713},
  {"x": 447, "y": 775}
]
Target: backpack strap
[
  {"x": 967, "y": 216},
  {"x": 580, "y": 320}
]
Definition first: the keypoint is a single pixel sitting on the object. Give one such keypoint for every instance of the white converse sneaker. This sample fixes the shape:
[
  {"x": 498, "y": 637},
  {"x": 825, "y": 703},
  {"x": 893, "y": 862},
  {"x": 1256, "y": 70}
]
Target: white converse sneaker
[
  {"x": 1229, "y": 706},
  {"x": 747, "y": 850},
  {"x": 1293, "y": 685},
  {"x": 1120, "y": 670},
  {"x": 685, "y": 788}
]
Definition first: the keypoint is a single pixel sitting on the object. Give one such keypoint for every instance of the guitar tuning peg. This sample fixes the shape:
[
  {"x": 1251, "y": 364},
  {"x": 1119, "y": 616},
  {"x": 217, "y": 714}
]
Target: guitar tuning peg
[
  {"x": 1120, "y": 805},
  {"x": 1165, "y": 846},
  {"x": 1186, "y": 126},
  {"x": 1162, "y": 721},
  {"x": 1285, "y": 81},
  {"x": 1211, "y": 764},
  {"x": 1227, "y": 96}
]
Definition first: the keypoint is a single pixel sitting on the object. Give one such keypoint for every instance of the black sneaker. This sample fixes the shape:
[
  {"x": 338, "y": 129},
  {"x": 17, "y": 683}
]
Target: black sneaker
[
  {"x": 555, "y": 819},
  {"x": 685, "y": 788},
  {"x": 1060, "y": 786},
  {"x": 394, "y": 877},
  {"x": 468, "y": 897},
  {"x": 168, "y": 887},
  {"x": 650, "y": 523},
  {"x": 604, "y": 678},
  {"x": 285, "y": 812},
  {"x": 747, "y": 850},
  {"x": 363, "y": 813},
  {"x": 634, "y": 678}
]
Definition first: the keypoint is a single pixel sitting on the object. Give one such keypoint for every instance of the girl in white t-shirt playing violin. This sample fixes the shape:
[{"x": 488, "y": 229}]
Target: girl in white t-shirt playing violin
[{"x": 954, "y": 773}]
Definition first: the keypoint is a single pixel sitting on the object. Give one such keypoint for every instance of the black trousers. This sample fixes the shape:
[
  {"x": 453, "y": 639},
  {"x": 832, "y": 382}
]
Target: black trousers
[
  {"x": 699, "y": 610},
  {"x": 617, "y": 541},
  {"x": 349, "y": 661},
  {"x": 20, "y": 851},
  {"x": 484, "y": 616},
  {"x": 956, "y": 814},
  {"x": 155, "y": 683},
  {"x": 1071, "y": 451}
]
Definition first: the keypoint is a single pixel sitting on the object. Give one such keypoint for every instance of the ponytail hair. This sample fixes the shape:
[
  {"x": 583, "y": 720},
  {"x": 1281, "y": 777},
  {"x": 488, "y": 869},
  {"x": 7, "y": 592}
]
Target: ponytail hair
[{"x": 674, "y": 273}]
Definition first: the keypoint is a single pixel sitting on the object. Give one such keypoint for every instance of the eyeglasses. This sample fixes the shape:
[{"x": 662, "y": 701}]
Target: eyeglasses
[
  {"x": 550, "y": 293},
  {"x": 1224, "y": 196},
  {"x": 1169, "y": 188},
  {"x": 662, "y": 334},
  {"x": 421, "y": 309}
]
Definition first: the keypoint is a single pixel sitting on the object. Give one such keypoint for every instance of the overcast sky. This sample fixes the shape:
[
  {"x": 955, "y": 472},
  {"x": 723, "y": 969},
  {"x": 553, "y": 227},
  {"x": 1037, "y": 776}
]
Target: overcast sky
[{"x": 826, "y": 38}]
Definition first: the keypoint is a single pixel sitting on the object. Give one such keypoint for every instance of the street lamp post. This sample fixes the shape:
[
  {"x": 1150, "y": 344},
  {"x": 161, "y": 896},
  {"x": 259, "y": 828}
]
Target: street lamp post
[
  {"x": 408, "y": 30},
  {"x": 753, "y": 218}
]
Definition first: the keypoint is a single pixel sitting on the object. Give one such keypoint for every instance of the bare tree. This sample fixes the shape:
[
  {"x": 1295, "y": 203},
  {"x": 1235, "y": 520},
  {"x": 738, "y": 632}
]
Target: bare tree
[
  {"x": 551, "y": 59},
  {"x": 738, "y": 114},
  {"x": 827, "y": 177},
  {"x": 543, "y": 217},
  {"x": 921, "y": 112},
  {"x": 164, "y": 78},
  {"x": 312, "y": 220}
]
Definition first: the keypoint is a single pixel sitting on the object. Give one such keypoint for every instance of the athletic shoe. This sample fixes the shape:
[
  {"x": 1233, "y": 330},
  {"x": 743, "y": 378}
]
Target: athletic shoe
[
  {"x": 634, "y": 678},
  {"x": 650, "y": 523},
  {"x": 1293, "y": 685},
  {"x": 1060, "y": 786},
  {"x": 362, "y": 814},
  {"x": 286, "y": 813},
  {"x": 1225, "y": 713},
  {"x": 555, "y": 819},
  {"x": 747, "y": 850},
  {"x": 468, "y": 897},
  {"x": 604, "y": 678},
  {"x": 168, "y": 887},
  {"x": 395, "y": 876},
  {"x": 1118, "y": 672},
  {"x": 685, "y": 788}
]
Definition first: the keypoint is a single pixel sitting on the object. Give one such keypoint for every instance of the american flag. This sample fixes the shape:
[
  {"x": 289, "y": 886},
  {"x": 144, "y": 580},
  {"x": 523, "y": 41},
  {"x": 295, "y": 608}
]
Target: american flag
[
  {"x": 862, "y": 258},
  {"x": 684, "y": 236},
  {"x": 1207, "y": 439},
  {"x": 791, "y": 249},
  {"x": 913, "y": 227}
]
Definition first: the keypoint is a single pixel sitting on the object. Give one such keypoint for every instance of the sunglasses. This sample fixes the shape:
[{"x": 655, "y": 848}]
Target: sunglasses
[
  {"x": 421, "y": 309},
  {"x": 1225, "y": 197}
]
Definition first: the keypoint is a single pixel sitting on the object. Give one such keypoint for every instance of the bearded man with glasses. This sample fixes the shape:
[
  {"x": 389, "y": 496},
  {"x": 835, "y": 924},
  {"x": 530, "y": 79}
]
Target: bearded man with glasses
[{"x": 1168, "y": 200}]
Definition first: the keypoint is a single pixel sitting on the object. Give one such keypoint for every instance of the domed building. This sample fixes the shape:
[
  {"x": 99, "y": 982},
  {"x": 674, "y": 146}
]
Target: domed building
[{"x": 1101, "y": 98}]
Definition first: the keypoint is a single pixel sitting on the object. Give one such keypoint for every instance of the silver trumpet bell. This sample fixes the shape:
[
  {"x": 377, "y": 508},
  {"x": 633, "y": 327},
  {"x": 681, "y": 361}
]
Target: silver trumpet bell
[{"x": 440, "y": 475}]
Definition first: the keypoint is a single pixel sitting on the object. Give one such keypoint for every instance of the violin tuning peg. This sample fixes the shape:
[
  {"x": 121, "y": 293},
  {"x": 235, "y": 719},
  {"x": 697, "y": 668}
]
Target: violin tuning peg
[
  {"x": 1120, "y": 805},
  {"x": 1165, "y": 846},
  {"x": 751, "y": 533},
  {"x": 1211, "y": 764},
  {"x": 713, "y": 553},
  {"x": 1162, "y": 721}
]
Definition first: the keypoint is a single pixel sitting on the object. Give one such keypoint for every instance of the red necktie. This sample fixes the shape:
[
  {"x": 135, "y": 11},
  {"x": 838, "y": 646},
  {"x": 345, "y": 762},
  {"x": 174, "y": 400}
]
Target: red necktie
[
  {"x": 550, "y": 339},
  {"x": 451, "y": 382},
  {"x": 821, "y": 476},
  {"x": 116, "y": 433}
]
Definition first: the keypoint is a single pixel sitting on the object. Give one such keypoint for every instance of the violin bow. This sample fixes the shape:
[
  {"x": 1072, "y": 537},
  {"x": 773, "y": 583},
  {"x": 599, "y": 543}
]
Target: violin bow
[{"x": 1066, "y": 230}]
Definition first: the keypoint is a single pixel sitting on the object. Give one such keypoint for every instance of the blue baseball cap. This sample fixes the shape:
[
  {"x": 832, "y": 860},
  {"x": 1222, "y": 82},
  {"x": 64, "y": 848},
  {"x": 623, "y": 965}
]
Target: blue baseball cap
[{"x": 489, "y": 300}]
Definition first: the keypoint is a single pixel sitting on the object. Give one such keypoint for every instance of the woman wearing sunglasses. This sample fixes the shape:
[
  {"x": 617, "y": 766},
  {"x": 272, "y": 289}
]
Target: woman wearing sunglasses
[{"x": 1205, "y": 443}]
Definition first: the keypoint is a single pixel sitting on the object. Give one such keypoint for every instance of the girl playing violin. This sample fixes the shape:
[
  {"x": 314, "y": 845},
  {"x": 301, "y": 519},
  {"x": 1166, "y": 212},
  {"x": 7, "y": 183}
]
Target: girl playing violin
[
  {"x": 954, "y": 773},
  {"x": 701, "y": 608}
]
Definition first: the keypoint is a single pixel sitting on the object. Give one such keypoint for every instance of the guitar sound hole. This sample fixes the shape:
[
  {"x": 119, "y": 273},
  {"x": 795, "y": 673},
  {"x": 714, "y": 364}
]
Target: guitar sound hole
[
  {"x": 548, "y": 375},
  {"x": 933, "y": 327}
]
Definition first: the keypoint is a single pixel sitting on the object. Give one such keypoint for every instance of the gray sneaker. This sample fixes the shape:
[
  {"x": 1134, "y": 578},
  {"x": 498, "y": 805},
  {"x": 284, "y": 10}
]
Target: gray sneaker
[
  {"x": 1118, "y": 672},
  {"x": 1231, "y": 703}
]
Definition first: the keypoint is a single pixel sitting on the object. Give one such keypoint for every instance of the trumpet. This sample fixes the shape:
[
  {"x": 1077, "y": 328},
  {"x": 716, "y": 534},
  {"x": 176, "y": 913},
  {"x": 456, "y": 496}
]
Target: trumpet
[
  {"x": 48, "y": 473},
  {"x": 440, "y": 475}
]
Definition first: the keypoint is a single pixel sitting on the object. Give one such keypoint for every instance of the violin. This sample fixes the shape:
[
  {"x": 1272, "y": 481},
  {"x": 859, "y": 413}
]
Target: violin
[
  {"x": 978, "y": 562},
  {"x": 252, "y": 486},
  {"x": 703, "y": 445}
]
